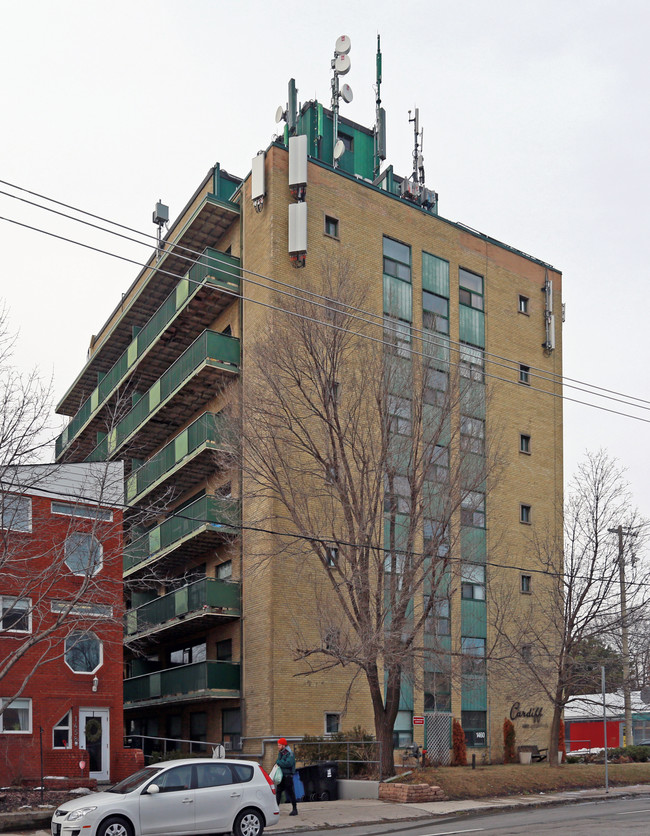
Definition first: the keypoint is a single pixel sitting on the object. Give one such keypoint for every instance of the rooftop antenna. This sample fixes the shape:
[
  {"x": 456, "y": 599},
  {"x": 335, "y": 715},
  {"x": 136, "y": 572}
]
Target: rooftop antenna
[
  {"x": 160, "y": 217},
  {"x": 380, "y": 119},
  {"x": 289, "y": 115},
  {"x": 341, "y": 66},
  {"x": 418, "y": 159}
]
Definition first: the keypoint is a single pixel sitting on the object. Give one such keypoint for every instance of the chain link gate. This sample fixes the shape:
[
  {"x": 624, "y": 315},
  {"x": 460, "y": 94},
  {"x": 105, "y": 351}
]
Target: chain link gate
[{"x": 437, "y": 736}]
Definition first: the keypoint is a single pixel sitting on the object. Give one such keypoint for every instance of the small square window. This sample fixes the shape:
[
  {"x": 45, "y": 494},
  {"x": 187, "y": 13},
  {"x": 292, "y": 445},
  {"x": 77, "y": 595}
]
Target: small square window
[
  {"x": 331, "y": 226},
  {"x": 524, "y": 443},
  {"x": 527, "y": 652},
  {"x": 524, "y": 374},
  {"x": 523, "y": 304},
  {"x": 526, "y": 581},
  {"x": 332, "y": 723},
  {"x": 524, "y": 514}
]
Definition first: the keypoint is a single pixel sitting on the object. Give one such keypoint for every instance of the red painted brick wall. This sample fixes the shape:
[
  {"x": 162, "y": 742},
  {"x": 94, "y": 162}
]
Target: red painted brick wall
[{"x": 53, "y": 687}]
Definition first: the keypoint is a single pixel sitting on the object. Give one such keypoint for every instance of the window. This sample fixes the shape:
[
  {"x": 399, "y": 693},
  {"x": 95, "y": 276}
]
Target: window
[
  {"x": 397, "y": 496},
  {"x": 224, "y": 650},
  {"x": 61, "y": 732},
  {"x": 231, "y": 728},
  {"x": 213, "y": 775},
  {"x": 472, "y": 362},
  {"x": 435, "y": 387},
  {"x": 177, "y": 779},
  {"x": 173, "y": 732},
  {"x": 524, "y": 374},
  {"x": 472, "y": 510},
  {"x": 399, "y": 410},
  {"x": 397, "y": 336},
  {"x": 332, "y": 723},
  {"x": 17, "y": 716},
  {"x": 472, "y": 435},
  {"x": 83, "y": 554},
  {"x": 348, "y": 141},
  {"x": 524, "y": 444},
  {"x": 527, "y": 652},
  {"x": 397, "y": 259},
  {"x": 224, "y": 570},
  {"x": 471, "y": 289},
  {"x": 331, "y": 226},
  {"x": 437, "y": 691},
  {"x": 523, "y": 304},
  {"x": 438, "y": 467},
  {"x": 435, "y": 315},
  {"x": 16, "y": 614},
  {"x": 16, "y": 512},
  {"x": 90, "y": 610},
  {"x": 189, "y": 654},
  {"x": 436, "y": 537},
  {"x": 438, "y": 621},
  {"x": 473, "y": 655},
  {"x": 526, "y": 581},
  {"x": 198, "y": 731},
  {"x": 475, "y": 727},
  {"x": 332, "y": 556},
  {"x": 83, "y": 651},
  {"x": 524, "y": 514},
  {"x": 83, "y": 511},
  {"x": 473, "y": 582}
]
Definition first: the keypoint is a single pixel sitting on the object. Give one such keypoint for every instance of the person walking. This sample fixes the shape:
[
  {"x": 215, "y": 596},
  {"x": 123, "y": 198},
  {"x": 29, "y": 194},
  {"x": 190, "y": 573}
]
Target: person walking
[{"x": 287, "y": 763}]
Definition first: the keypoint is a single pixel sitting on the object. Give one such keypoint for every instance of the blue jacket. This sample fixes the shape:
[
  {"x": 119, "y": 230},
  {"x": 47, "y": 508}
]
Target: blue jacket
[{"x": 286, "y": 761}]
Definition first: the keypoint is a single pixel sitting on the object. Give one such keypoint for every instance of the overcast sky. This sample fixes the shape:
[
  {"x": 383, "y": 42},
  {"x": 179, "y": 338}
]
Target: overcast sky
[{"x": 536, "y": 132}]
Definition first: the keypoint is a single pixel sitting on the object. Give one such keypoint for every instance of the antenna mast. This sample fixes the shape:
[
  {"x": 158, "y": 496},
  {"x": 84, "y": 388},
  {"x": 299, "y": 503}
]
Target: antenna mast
[
  {"x": 341, "y": 66},
  {"x": 380, "y": 119}
]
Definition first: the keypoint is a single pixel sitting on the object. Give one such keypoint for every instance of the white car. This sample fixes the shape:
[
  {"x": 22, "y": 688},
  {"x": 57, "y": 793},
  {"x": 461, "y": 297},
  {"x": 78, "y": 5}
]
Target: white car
[{"x": 179, "y": 797}]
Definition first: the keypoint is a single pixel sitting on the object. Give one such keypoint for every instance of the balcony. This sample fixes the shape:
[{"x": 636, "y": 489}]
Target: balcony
[
  {"x": 186, "y": 386},
  {"x": 185, "y": 683},
  {"x": 201, "y": 224},
  {"x": 201, "y": 525},
  {"x": 197, "y": 606},
  {"x": 189, "y": 458},
  {"x": 210, "y": 286}
]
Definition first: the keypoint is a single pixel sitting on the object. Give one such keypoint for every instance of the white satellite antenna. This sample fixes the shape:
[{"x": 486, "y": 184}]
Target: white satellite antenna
[
  {"x": 280, "y": 114},
  {"x": 341, "y": 66}
]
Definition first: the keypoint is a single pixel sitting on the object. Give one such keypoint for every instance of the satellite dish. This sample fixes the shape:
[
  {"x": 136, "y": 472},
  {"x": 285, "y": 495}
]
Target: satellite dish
[
  {"x": 279, "y": 114},
  {"x": 342, "y": 45},
  {"x": 219, "y": 752},
  {"x": 346, "y": 93},
  {"x": 339, "y": 148},
  {"x": 341, "y": 64},
  {"x": 645, "y": 694}
]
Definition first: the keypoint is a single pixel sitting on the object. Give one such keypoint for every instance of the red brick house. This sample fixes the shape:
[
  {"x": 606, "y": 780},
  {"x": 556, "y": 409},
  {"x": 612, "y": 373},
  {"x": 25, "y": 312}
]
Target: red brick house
[{"x": 61, "y": 623}]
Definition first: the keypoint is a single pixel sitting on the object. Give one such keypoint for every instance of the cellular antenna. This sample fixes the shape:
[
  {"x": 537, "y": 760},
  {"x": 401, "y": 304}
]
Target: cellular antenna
[
  {"x": 413, "y": 189},
  {"x": 160, "y": 217},
  {"x": 341, "y": 66},
  {"x": 380, "y": 119}
]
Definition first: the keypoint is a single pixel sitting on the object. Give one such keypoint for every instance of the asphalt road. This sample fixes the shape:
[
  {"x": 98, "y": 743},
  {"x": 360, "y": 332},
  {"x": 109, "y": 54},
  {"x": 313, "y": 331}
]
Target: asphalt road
[{"x": 600, "y": 818}]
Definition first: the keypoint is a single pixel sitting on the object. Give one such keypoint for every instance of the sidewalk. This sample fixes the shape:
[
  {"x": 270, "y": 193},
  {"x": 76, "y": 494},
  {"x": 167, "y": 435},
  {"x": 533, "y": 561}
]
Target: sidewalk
[{"x": 319, "y": 815}]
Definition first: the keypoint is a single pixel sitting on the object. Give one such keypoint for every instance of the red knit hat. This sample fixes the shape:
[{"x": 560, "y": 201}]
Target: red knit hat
[{"x": 282, "y": 741}]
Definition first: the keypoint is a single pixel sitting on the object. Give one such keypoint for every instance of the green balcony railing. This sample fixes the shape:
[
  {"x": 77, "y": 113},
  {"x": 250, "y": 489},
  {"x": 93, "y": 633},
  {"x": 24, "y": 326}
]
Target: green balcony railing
[
  {"x": 210, "y": 348},
  {"x": 204, "y": 432},
  {"x": 193, "y": 598},
  {"x": 183, "y": 680},
  {"x": 209, "y": 513},
  {"x": 213, "y": 268}
]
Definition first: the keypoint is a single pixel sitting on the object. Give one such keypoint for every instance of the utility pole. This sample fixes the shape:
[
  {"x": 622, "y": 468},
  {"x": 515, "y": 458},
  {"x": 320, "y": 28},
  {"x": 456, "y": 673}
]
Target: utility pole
[{"x": 629, "y": 739}]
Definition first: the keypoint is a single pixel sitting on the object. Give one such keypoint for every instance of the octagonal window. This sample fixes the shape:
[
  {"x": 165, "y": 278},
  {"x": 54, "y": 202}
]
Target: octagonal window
[
  {"x": 83, "y": 553},
  {"x": 83, "y": 651}
]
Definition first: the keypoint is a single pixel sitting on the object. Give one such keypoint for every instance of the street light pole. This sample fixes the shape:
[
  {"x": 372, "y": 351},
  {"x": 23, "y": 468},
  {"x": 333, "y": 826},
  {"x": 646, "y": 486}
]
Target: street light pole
[{"x": 629, "y": 739}]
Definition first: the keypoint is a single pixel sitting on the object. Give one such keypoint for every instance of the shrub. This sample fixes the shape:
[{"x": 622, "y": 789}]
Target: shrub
[
  {"x": 509, "y": 739},
  {"x": 459, "y": 757},
  {"x": 358, "y": 742}
]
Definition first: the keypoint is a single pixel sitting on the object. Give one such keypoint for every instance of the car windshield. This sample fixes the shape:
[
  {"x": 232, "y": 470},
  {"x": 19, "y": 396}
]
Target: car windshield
[{"x": 137, "y": 779}]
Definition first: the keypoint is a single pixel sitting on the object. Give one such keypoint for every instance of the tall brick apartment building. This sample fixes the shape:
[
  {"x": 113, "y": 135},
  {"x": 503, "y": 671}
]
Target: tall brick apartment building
[
  {"x": 61, "y": 631},
  {"x": 211, "y": 629}
]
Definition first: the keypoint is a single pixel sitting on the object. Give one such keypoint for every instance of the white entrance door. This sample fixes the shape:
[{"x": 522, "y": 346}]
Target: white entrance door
[{"x": 94, "y": 738}]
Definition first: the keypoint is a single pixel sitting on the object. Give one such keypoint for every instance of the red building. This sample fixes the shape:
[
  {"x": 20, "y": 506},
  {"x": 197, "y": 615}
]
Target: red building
[
  {"x": 61, "y": 624},
  {"x": 584, "y": 726}
]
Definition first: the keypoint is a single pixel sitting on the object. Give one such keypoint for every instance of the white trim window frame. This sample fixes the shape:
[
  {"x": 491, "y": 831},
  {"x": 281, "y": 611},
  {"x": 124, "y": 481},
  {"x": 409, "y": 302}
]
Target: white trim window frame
[
  {"x": 15, "y": 609},
  {"x": 19, "y": 706},
  {"x": 16, "y": 513}
]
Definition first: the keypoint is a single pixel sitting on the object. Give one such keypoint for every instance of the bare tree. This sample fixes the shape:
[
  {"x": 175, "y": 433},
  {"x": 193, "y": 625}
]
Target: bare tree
[
  {"x": 358, "y": 456},
  {"x": 576, "y": 602}
]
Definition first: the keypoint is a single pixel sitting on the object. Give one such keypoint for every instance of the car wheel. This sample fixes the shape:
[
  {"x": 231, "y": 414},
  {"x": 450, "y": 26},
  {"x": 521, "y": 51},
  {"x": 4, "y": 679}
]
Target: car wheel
[
  {"x": 115, "y": 826},
  {"x": 248, "y": 823}
]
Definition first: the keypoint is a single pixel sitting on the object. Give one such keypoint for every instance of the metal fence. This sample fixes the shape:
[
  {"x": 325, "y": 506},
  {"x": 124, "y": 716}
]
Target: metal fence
[
  {"x": 354, "y": 757},
  {"x": 160, "y": 748}
]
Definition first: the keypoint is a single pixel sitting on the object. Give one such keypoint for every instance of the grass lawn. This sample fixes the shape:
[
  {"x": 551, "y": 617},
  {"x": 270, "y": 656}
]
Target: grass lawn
[{"x": 517, "y": 779}]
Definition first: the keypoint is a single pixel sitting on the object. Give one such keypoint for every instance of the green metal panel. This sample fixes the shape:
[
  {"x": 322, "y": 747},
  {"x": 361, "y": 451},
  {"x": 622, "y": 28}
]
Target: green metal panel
[
  {"x": 180, "y": 446},
  {"x": 436, "y": 347},
  {"x": 398, "y": 298},
  {"x": 472, "y": 325},
  {"x": 473, "y": 544},
  {"x": 472, "y": 398},
  {"x": 181, "y": 293},
  {"x": 94, "y": 399},
  {"x": 154, "y": 396},
  {"x": 181, "y": 601},
  {"x": 435, "y": 274},
  {"x": 473, "y": 693},
  {"x": 184, "y": 679},
  {"x": 132, "y": 352},
  {"x": 473, "y": 618}
]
